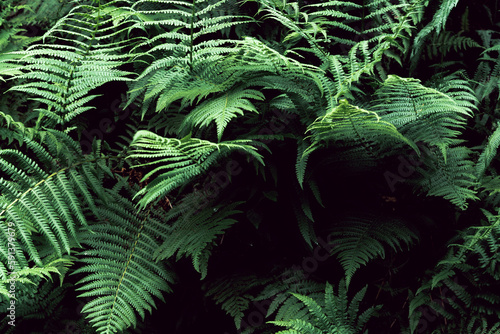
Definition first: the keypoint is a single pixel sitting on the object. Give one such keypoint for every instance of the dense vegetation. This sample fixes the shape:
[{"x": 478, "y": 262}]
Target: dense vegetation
[{"x": 260, "y": 166}]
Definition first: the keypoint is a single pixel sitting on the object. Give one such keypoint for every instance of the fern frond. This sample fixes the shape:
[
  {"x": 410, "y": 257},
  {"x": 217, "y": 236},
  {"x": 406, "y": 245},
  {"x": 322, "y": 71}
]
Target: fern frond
[
  {"x": 437, "y": 24},
  {"x": 363, "y": 135},
  {"x": 62, "y": 75},
  {"x": 193, "y": 233},
  {"x": 182, "y": 159},
  {"x": 489, "y": 152},
  {"x": 442, "y": 43},
  {"x": 360, "y": 240},
  {"x": 22, "y": 276},
  {"x": 332, "y": 316},
  {"x": 474, "y": 255},
  {"x": 234, "y": 294},
  {"x": 283, "y": 304},
  {"x": 42, "y": 199},
  {"x": 221, "y": 110},
  {"x": 420, "y": 113},
  {"x": 185, "y": 67},
  {"x": 120, "y": 272},
  {"x": 450, "y": 176}
]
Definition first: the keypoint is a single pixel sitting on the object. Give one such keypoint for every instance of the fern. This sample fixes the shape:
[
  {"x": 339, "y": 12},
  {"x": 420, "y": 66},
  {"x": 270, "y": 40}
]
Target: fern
[
  {"x": 336, "y": 315},
  {"x": 437, "y": 24},
  {"x": 221, "y": 110},
  {"x": 475, "y": 255},
  {"x": 62, "y": 74},
  {"x": 435, "y": 117},
  {"x": 445, "y": 41},
  {"x": 360, "y": 240},
  {"x": 283, "y": 304},
  {"x": 119, "y": 267},
  {"x": 361, "y": 134},
  {"x": 450, "y": 177},
  {"x": 187, "y": 67},
  {"x": 54, "y": 191},
  {"x": 37, "y": 299},
  {"x": 22, "y": 276},
  {"x": 488, "y": 73},
  {"x": 193, "y": 233},
  {"x": 183, "y": 159},
  {"x": 234, "y": 294},
  {"x": 212, "y": 77},
  {"x": 361, "y": 57}
]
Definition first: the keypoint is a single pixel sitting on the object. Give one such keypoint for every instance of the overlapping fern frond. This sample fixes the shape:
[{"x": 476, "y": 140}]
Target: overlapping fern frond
[
  {"x": 423, "y": 114},
  {"x": 40, "y": 190},
  {"x": 442, "y": 43},
  {"x": 80, "y": 53},
  {"x": 121, "y": 274},
  {"x": 325, "y": 26},
  {"x": 283, "y": 306},
  {"x": 185, "y": 64},
  {"x": 235, "y": 293},
  {"x": 434, "y": 117},
  {"x": 450, "y": 177},
  {"x": 488, "y": 72},
  {"x": 437, "y": 24},
  {"x": 222, "y": 109},
  {"x": 361, "y": 135},
  {"x": 177, "y": 161}
]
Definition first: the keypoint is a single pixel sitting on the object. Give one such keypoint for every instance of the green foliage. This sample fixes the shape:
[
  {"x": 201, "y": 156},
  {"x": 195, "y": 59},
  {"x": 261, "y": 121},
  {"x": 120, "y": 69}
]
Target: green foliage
[
  {"x": 361, "y": 134},
  {"x": 359, "y": 240},
  {"x": 423, "y": 114},
  {"x": 321, "y": 100},
  {"x": 183, "y": 159},
  {"x": 234, "y": 294},
  {"x": 437, "y": 24},
  {"x": 335, "y": 315},
  {"x": 61, "y": 75},
  {"x": 122, "y": 275},
  {"x": 41, "y": 198},
  {"x": 474, "y": 256},
  {"x": 194, "y": 233}
]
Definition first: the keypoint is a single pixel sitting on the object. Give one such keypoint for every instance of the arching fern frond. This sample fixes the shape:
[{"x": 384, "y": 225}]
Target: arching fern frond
[
  {"x": 283, "y": 305},
  {"x": 79, "y": 58},
  {"x": 437, "y": 24},
  {"x": 186, "y": 63},
  {"x": 221, "y": 109},
  {"x": 450, "y": 176},
  {"x": 361, "y": 134},
  {"x": 361, "y": 239},
  {"x": 179, "y": 160},
  {"x": 423, "y": 114},
  {"x": 23, "y": 276},
  {"x": 441, "y": 44},
  {"x": 235, "y": 293},
  {"x": 193, "y": 233},
  {"x": 36, "y": 298},
  {"x": 474, "y": 254},
  {"x": 488, "y": 154}
]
